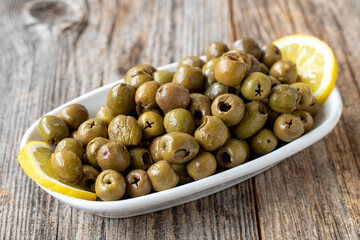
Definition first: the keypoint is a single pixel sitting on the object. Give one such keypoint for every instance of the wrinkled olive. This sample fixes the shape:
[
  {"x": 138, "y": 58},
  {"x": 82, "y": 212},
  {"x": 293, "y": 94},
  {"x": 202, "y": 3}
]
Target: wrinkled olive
[{"x": 125, "y": 130}]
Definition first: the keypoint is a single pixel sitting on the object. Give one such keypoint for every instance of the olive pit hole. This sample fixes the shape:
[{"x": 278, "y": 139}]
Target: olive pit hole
[
  {"x": 146, "y": 159},
  {"x": 226, "y": 158},
  {"x": 135, "y": 181},
  {"x": 224, "y": 106},
  {"x": 182, "y": 153},
  {"x": 288, "y": 124},
  {"x": 148, "y": 124},
  {"x": 89, "y": 183},
  {"x": 198, "y": 115}
]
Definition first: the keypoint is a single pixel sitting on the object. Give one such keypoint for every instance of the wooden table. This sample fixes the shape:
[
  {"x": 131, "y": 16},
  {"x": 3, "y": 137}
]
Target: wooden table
[{"x": 54, "y": 51}]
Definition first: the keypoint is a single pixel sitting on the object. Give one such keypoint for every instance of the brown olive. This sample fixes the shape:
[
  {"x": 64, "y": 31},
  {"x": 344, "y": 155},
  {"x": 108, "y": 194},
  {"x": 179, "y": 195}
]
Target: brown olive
[
  {"x": 199, "y": 107},
  {"x": 172, "y": 95},
  {"x": 91, "y": 129},
  {"x": 202, "y": 166},
  {"x": 145, "y": 94},
  {"x": 191, "y": 61},
  {"x": 114, "y": 156},
  {"x": 190, "y": 77},
  {"x": 140, "y": 158},
  {"x": 233, "y": 153},
  {"x": 306, "y": 119},
  {"x": 138, "y": 183},
  {"x": 74, "y": 115},
  {"x": 247, "y": 45},
  {"x": 270, "y": 54},
  {"x": 92, "y": 149},
  {"x": 288, "y": 127},
  {"x": 162, "y": 176},
  {"x": 215, "y": 50},
  {"x": 285, "y": 71},
  {"x": 125, "y": 130},
  {"x": 155, "y": 150},
  {"x": 89, "y": 177}
]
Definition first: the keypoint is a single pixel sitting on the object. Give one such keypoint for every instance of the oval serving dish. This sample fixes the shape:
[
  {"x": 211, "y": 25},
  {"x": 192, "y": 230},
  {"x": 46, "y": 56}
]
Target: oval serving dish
[{"x": 325, "y": 120}]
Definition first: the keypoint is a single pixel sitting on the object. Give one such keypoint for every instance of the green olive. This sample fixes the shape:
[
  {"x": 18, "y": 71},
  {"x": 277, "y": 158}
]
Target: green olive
[
  {"x": 191, "y": 61},
  {"x": 199, "y": 107},
  {"x": 229, "y": 108},
  {"x": 180, "y": 170},
  {"x": 216, "y": 89},
  {"x": 125, "y": 130},
  {"x": 263, "y": 142},
  {"x": 140, "y": 158},
  {"x": 145, "y": 94},
  {"x": 270, "y": 54},
  {"x": 52, "y": 129},
  {"x": 285, "y": 71},
  {"x": 162, "y": 76},
  {"x": 172, "y": 95},
  {"x": 138, "y": 75},
  {"x": 215, "y": 50},
  {"x": 74, "y": 115},
  {"x": 312, "y": 108},
  {"x": 138, "y": 183},
  {"x": 110, "y": 185},
  {"x": 152, "y": 125},
  {"x": 89, "y": 177},
  {"x": 190, "y": 77},
  {"x": 114, "y": 156},
  {"x": 233, "y": 153},
  {"x": 104, "y": 114},
  {"x": 202, "y": 166},
  {"x": 305, "y": 94},
  {"x": 288, "y": 127},
  {"x": 120, "y": 99},
  {"x": 247, "y": 45},
  {"x": 162, "y": 176},
  {"x": 284, "y": 98},
  {"x": 92, "y": 149},
  {"x": 91, "y": 129},
  {"x": 155, "y": 150},
  {"x": 256, "y": 87},
  {"x": 179, "y": 120},
  {"x": 67, "y": 166},
  {"x": 208, "y": 71},
  {"x": 72, "y": 145},
  {"x": 306, "y": 119}
]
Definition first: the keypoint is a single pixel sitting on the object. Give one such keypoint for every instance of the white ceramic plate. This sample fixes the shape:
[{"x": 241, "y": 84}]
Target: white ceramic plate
[{"x": 325, "y": 120}]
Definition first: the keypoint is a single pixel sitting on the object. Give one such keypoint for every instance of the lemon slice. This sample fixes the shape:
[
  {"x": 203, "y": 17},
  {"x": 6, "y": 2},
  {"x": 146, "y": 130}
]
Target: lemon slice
[
  {"x": 34, "y": 158},
  {"x": 315, "y": 61}
]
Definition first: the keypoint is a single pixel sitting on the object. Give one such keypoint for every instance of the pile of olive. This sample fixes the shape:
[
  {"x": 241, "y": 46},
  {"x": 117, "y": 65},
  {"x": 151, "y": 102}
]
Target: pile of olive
[{"x": 161, "y": 129}]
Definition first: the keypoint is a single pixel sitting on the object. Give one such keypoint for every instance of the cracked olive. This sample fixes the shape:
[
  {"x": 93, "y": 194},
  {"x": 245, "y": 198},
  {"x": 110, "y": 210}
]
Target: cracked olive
[
  {"x": 145, "y": 94},
  {"x": 216, "y": 89},
  {"x": 92, "y": 149},
  {"x": 288, "y": 127},
  {"x": 179, "y": 120},
  {"x": 305, "y": 94},
  {"x": 178, "y": 147},
  {"x": 254, "y": 119},
  {"x": 140, "y": 158},
  {"x": 256, "y": 87},
  {"x": 89, "y": 177},
  {"x": 270, "y": 54},
  {"x": 312, "y": 108},
  {"x": 120, "y": 99},
  {"x": 208, "y": 71},
  {"x": 212, "y": 133},
  {"x": 199, "y": 107},
  {"x": 215, "y": 50},
  {"x": 67, "y": 166},
  {"x": 114, "y": 156},
  {"x": 180, "y": 170},
  {"x": 306, "y": 119},
  {"x": 91, "y": 129},
  {"x": 163, "y": 76},
  {"x": 229, "y": 108},
  {"x": 247, "y": 45},
  {"x": 284, "y": 71},
  {"x": 233, "y": 153},
  {"x": 284, "y": 98},
  {"x": 202, "y": 166},
  {"x": 74, "y": 115},
  {"x": 110, "y": 185},
  {"x": 191, "y": 61},
  {"x": 52, "y": 129},
  {"x": 138, "y": 183},
  {"x": 125, "y": 130},
  {"x": 139, "y": 74},
  {"x": 162, "y": 176},
  {"x": 104, "y": 114},
  {"x": 189, "y": 77},
  {"x": 152, "y": 125},
  {"x": 155, "y": 150},
  {"x": 232, "y": 68},
  {"x": 72, "y": 145},
  {"x": 263, "y": 142},
  {"x": 172, "y": 95}
]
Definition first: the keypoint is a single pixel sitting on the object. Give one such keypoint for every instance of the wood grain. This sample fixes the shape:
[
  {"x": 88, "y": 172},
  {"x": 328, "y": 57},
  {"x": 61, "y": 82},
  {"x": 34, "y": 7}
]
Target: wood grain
[{"x": 54, "y": 51}]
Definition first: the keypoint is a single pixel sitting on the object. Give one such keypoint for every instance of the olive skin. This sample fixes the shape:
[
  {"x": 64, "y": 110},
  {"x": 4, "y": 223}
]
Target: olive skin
[
  {"x": 229, "y": 108},
  {"x": 89, "y": 177},
  {"x": 216, "y": 89},
  {"x": 190, "y": 77},
  {"x": 162, "y": 176},
  {"x": 178, "y": 147},
  {"x": 256, "y": 87},
  {"x": 52, "y": 129},
  {"x": 179, "y": 120},
  {"x": 284, "y": 98},
  {"x": 162, "y": 76},
  {"x": 152, "y": 125},
  {"x": 274, "y": 81},
  {"x": 305, "y": 94},
  {"x": 138, "y": 75},
  {"x": 180, "y": 170},
  {"x": 247, "y": 45},
  {"x": 114, "y": 156},
  {"x": 270, "y": 54},
  {"x": 208, "y": 71},
  {"x": 199, "y": 107},
  {"x": 264, "y": 69},
  {"x": 263, "y": 142},
  {"x": 91, "y": 129},
  {"x": 155, "y": 150},
  {"x": 312, "y": 108},
  {"x": 232, "y": 68},
  {"x": 254, "y": 119},
  {"x": 74, "y": 115},
  {"x": 140, "y": 158},
  {"x": 202, "y": 166},
  {"x": 92, "y": 149},
  {"x": 233, "y": 153},
  {"x": 172, "y": 95},
  {"x": 125, "y": 130},
  {"x": 284, "y": 71},
  {"x": 215, "y": 50},
  {"x": 120, "y": 99},
  {"x": 138, "y": 183},
  {"x": 191, "y": 61},
  {"x": 67, "y": 166},
  {"x": 212, "y": 133},
  {"x": 110, "y": 185},
  {"x": 255, "y": 64},
  {"x": 104, "y": 114},
  {"x": 288, "y": 127},
  {"x": 306, "y": 119},
  {"x": 145, "y": 94},
  {"x": 72, "y": 145}
]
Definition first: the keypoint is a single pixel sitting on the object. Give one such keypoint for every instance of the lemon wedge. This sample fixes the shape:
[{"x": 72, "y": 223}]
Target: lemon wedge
[
  {"x": 34, "y": 158},
  {"x": 315, "y": 61}
]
